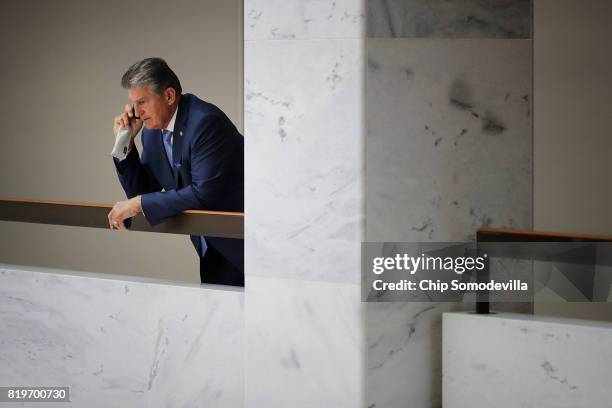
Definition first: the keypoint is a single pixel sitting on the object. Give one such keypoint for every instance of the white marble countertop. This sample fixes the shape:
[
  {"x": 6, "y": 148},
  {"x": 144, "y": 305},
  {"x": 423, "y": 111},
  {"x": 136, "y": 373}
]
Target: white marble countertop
[{"x": 537, "y": 318}]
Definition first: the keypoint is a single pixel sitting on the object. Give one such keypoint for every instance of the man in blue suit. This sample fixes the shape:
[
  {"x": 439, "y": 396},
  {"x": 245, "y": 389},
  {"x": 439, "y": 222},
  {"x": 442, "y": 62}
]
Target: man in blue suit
[{"x": 192, "y": 158}]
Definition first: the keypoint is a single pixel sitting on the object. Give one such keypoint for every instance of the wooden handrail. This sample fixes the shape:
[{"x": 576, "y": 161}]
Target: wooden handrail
[
  {"x": 94, "y": 215},
  {"x": 487, "y": 237},
  {"x": 511, "y": 235}
]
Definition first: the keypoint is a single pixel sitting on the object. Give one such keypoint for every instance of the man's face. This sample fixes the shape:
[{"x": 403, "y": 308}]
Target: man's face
[{"x": 154, "y": 110}]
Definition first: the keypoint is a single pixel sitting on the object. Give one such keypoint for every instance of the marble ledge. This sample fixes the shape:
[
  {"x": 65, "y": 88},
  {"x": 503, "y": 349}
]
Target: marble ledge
[
  {"x": 511, "y": 360},
  {"x": 528, "y": 319},
  {"x": 144, "y": 342}
]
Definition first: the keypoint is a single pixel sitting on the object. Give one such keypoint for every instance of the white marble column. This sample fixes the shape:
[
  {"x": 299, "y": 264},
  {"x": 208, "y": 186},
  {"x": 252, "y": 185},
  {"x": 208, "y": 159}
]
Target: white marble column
[
  {"x": 447, "y": 151},
  {"x": 420, "y": 132},
  {"x": 304, "y": 139}
]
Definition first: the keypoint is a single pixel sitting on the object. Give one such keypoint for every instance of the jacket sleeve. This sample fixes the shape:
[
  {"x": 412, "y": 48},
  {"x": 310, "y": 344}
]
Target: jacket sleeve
[
  {"x": 134, "y": 176},
  {"x": 211, "y": 162}
]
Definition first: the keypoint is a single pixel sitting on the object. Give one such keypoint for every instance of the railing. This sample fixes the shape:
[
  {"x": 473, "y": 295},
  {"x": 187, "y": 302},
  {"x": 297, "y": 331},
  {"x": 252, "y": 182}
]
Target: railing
[
  {"x": 510, "y": 235},
  {"x": 94, "y": 215},
  {"x": 502, "y": 235}
]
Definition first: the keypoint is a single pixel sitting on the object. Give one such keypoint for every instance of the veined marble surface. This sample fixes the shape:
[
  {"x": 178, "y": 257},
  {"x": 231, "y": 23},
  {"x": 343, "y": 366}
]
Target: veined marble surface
[
  {"x": 304, "y": 344},
  {"x": 507, "y": 360},
  {"x": 448, "y": 146},
  {"x": 304, "y": 161},
  {"x": 196, "y": 339},
  {"x": 448, "y": 150},
  {"x": 303, "y": 19},
  {"x": 121, "y": 342},
  {"x": 404, "y": 354},
  {"x": 449, "y": 18}
]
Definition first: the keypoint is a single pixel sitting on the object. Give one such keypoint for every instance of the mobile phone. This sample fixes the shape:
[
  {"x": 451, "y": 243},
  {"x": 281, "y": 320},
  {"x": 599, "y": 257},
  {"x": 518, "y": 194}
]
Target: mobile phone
[
  {"x": 134, "y": 113},
  {"x": 123, "y": 140}
]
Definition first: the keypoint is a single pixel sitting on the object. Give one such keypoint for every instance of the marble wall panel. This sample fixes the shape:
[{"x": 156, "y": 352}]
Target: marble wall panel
[
  {"x": 304, "y": 344},
  {"x": 508, "y": 360},
  {"x": 196, "y": 347},
  {"x": 304, "y": 158},
  {"x": 404, "y": 354},
  {"x": 115, "y": 341},
  {"x": 64, "y": 330},
  {"x": 448, "y": 146},
  {"x": 449, "y": 18},
  {"x": 303, "y": 19},
  {"x": 448, "y": 150}
]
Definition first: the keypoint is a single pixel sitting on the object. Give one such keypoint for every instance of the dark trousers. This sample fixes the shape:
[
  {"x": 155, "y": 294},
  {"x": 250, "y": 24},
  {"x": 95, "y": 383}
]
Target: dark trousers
[{"x": 223, "y": 263}]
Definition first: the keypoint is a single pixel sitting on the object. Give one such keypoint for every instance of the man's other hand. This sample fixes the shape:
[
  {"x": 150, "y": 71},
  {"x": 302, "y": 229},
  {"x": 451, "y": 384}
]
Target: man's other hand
[{"x": 123, "y": 210}]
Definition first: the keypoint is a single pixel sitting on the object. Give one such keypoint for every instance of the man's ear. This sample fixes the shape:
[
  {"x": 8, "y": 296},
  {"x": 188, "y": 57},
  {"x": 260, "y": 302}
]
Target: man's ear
[{"x": 170, "y": 95}]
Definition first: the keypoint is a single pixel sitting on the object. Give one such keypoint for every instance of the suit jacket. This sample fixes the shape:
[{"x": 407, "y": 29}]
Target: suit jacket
[{"x": 208, "y": 155}]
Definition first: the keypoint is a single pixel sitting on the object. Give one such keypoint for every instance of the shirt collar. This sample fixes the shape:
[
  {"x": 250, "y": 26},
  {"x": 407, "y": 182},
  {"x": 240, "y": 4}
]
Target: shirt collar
[{"x": 170, "y": 126}]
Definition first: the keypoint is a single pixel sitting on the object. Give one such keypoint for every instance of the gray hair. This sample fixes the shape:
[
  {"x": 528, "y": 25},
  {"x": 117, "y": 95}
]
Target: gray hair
[{"x": 154, "y": 72}]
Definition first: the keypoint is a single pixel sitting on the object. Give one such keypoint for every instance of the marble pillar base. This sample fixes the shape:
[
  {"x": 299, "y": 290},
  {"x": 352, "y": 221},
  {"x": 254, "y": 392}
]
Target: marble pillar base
[{"x": 304, "y": 344}]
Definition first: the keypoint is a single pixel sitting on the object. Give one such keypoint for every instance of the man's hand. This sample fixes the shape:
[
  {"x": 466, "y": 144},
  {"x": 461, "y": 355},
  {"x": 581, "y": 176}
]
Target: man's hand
[
  {"x": 127, "y": 119},
  {"x": 123, "y": 210}
]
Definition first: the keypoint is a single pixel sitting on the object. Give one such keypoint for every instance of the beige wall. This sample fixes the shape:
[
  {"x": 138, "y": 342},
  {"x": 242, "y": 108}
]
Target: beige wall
[
  {"x": 573, "y": 115},
  {"x": 61, "y": 66},
  {"x": 573, "y": 125}
]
